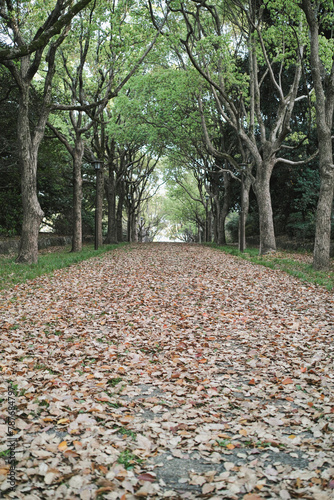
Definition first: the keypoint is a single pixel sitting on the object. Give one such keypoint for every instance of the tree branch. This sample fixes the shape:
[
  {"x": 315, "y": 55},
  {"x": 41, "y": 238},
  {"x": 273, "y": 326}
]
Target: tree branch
[
  {"x": 43, "y": 35},
  {"x": 295, "y": 163}
]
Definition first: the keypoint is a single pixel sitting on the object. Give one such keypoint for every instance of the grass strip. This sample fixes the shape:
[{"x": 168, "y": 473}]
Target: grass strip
[
  {"x": 283, "y": 261},
  {"x": 12, "y": 273}
]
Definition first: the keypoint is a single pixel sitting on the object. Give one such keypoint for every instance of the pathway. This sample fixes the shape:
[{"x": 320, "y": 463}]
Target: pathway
[{"x": 168, "y": 371}]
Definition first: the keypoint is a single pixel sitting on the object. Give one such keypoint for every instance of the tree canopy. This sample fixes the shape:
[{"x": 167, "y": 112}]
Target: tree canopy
[{"x": 232, "y": 102}]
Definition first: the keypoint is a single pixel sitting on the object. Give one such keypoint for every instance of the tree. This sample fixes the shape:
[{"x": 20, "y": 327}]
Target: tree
[
  {"x": 128, "y": 41},
  {"x": 29, "y": 134},
  {"x": 185, "y": 204},
  {"x": 163, "y": 108},
  {"x": 14, "y": 46},
  {"x": 218, "y": 37},
  {"x": 86, "y": 103},
  {"x": 139, "y": 189},
  {"x": 319, "y": 15},
  {"x": 152, "y": 220},
  {"x": 223, "y": 145}
]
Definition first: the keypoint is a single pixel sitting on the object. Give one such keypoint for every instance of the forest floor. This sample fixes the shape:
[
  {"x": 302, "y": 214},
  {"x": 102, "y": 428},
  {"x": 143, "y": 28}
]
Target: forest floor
[{"x": 167, "y": 371}]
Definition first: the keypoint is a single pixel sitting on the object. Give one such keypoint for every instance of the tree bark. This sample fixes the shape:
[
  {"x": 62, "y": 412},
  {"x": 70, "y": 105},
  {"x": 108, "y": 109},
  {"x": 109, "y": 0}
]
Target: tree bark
[
  {"x": 133, "y": 227},
  {"x": 99, "y": 206},
  {"x": 261, "y": 186},
  {"x": 119, "y": 216},
  {"x": 209, "y": 225},
  {"x": 247, "y": 186},
  {"x": 112, "y": 236},
  {"x": 324, "y": 91},
  {"x": 78, "y": 153},
  {"x": 32, "y": 212},
  {"x": 199, "y": 233},
  {"x": 216, "y": 220},
  {"x": 321, "y": 254},
  {"x": 216, "y": 211},
  {"x": 224, "y": 209}
]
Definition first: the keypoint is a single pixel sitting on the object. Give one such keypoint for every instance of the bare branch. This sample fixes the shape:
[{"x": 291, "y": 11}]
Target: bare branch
[{"x": 295, "y": 163}]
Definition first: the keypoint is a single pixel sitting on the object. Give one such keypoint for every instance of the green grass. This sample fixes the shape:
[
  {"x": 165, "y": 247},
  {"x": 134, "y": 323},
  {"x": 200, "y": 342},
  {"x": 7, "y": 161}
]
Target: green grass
[
  {"x": 127, "y": 432},
  {"x": 223, "y": 442},
  {"x": 114, "y": 381},
  {"x": 283, "y": 262},
  {"x": 128, "y": 459},
  {"x": 12, "y": 273}
]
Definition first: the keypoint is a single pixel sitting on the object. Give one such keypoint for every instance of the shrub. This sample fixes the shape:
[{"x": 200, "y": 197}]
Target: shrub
[{"x": 300, "y": 227}]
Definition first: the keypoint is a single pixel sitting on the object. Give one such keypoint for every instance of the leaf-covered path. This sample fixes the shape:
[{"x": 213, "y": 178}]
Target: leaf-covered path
[{"x": 167, "y": 371}]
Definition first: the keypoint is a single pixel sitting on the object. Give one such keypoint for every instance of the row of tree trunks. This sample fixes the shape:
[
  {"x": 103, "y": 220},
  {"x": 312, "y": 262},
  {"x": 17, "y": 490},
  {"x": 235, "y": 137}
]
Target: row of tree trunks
[{"x": 115, "y": 215}]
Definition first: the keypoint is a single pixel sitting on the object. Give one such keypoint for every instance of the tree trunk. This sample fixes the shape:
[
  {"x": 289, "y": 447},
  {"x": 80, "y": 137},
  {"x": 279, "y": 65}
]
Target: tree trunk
[
  {"x": 133, "y": 227},
  {"x": 221, "y": 233},
  {"x": 199, "y": 232},
  {"x": 321, "y": 254},
  {"x": 77, "y": 195},
  {"x": 224, "y": 209},
  {"x": 119, "y": 217},
  {"x": 32, "y": 212},
  {"x": 261, "y": 188},
  {"x": 112, "y": 236},
  {"x": 215, "y": 210},
  {"x": 247, "y": 186},
  {"x": 210, "y": 226},
  {"x": 99, "y": 206},
  {"x": 324, "y": 92},
  {"x": 216, "y": 219}
]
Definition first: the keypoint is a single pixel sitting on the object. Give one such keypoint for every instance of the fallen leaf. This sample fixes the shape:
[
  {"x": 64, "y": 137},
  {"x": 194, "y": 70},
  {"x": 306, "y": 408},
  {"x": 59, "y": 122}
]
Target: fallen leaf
[
  {"x": 146, "y": 477},
  {"x": 62, "y": 446},
  {"x": 208, "y": 488},
  {"x": 252, "y": 496},
  {"x": 63, "y": 421}
]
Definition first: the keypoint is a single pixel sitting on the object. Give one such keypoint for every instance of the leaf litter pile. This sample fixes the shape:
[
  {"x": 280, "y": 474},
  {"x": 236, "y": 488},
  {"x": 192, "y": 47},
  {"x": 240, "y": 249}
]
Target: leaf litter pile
[{"x": 168, "y": 371}]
